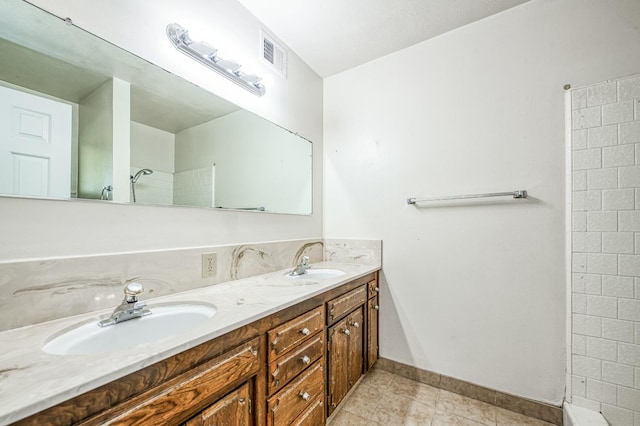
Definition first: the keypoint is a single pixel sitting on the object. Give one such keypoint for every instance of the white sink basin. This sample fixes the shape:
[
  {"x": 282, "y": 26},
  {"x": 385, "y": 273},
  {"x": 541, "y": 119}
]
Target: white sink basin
[
  {"x": 320, "y": 274},
  {"x": 90, "y": 338}
]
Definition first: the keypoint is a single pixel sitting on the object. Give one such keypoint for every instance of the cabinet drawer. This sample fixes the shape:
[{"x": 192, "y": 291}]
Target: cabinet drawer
[
  {"x": 346, "y": 303},
  {"x": 312, "y": 416},
  {"x": 291, "y": 364},
  {"x": 234, "y": 408},
  {"x": 196, "y": 389},
  {"x": 297, "y": 396},
  {"x": 289, "y": 334},
  {"x": 372, "y": 288}
]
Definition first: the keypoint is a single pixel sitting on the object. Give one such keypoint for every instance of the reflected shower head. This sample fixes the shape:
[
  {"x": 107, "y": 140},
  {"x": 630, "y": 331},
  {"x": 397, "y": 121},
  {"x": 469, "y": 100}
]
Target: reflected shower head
[{"x": 141, "y": 172}]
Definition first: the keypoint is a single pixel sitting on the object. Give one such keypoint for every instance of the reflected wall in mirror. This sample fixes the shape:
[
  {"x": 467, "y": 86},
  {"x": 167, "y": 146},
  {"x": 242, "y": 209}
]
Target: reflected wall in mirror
[{"x": 82, "y": 118}]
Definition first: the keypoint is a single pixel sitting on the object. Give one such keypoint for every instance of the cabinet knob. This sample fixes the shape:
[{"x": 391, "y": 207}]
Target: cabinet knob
[
  {"x": 377, "y": 289},
  {"x": 305, "y": 396},
  {"x": 305, "y": 331},
  {"x": 355, "y": 324},
  {"x": 376, "y": 307},
  {"x": 346, "y": 331},
  {"x": 305, "y": 359}
]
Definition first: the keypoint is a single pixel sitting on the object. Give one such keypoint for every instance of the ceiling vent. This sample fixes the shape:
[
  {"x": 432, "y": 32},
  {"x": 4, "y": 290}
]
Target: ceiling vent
[{"x": 274, "y": 54}]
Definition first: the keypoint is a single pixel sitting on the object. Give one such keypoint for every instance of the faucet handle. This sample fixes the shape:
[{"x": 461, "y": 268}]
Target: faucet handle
[
  {"x": 132, "y": 291},
  {"x": 305, "y": 260}
]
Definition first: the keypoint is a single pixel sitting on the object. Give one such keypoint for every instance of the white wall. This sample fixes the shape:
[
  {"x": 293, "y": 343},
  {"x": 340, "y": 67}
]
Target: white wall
[
  {"x": 95, "y": 145},
  {"x": 473, "y": 290},
  {"x": 257, "y": 164},
  {"x": 57, "y": 228},
  {"x": 152, "y": 148}
]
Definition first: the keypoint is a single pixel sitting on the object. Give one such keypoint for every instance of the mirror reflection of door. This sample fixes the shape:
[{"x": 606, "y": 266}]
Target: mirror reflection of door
[{"x": 35, "y": 145}]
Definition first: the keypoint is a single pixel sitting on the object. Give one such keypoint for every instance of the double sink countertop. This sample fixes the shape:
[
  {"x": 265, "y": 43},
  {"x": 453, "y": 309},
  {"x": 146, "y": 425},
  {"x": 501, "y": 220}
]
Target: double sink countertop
[{"x": 32, "y": 380}]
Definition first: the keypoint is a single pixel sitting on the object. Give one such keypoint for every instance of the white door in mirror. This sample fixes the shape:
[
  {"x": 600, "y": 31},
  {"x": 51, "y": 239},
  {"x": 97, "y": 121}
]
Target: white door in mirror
[{"x": 35, "y": 145}]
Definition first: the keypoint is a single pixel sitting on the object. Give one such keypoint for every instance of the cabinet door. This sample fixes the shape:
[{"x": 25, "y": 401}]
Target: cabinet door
[
  {"x": 346, "y": 356},
  {"x": 338, "y": 359},
  {"x": 356, "y": 348},
  {"x": 372, "y": 332},
  {"x": 234, "y": 409}
]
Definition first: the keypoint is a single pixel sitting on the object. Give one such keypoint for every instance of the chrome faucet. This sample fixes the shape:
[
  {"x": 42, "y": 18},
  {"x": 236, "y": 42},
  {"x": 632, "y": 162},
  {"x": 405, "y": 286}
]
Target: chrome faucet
[
  {"x": 130, "y": 308},
  {"x": 301, "y": 269}
]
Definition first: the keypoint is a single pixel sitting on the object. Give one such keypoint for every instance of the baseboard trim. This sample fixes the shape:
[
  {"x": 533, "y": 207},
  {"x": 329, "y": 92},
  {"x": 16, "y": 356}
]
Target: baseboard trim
[{"x": 518, "y": 404}]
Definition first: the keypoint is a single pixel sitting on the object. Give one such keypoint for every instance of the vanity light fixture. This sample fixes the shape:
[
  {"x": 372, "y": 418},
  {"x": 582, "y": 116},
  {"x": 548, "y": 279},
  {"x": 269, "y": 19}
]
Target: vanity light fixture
[{"x": 208, "y": 55}]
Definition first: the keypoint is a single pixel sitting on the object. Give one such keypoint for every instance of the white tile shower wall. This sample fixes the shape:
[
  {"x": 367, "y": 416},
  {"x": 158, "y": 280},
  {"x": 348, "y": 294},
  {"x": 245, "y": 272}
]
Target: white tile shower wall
[
  {"x": 156, "y": 188},
  {"x": 194, "y": 187},
  {"x": 606, "y": 250}
]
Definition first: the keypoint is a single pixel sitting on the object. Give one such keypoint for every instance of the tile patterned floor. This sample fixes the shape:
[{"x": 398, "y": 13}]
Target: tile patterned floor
[{"x": 383, "y": 398}]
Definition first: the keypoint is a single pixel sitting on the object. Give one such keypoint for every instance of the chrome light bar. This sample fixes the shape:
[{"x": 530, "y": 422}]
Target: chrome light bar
[{"x": 208, "y": 55}]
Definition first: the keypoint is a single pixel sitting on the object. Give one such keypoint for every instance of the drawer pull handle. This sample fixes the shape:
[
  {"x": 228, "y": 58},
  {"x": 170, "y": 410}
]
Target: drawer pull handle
[
  {"x": 305, "y": 396},
  {"x": 346, "y": 331},
  {"x": 376, "y": 307},
  {"x": 355, "y": 324},
  {"x": 305, "y": 359},
  {"x": 305, "y": 331}
]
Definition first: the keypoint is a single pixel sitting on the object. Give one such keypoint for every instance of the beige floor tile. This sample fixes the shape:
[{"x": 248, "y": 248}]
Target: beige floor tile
[
  {"x": 452, "y": 420},
  {"x": 397, "y": 410},
  {"x": 451, "y": 403},
  {"x": 414, "y": 390},
  {"x": 345, "y": 418},
  {"x": 378, "y": 378},
  {"x": 386, "y": 399},
  {"x": 509, "y": 418},
  {"x": 363, "y": 400}
]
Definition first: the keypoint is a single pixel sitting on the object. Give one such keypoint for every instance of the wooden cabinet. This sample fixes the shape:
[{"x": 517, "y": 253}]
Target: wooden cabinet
[
  {"x": 345, "y": 346},
  {"x": 292, "y": 367},
  {"x": 339, "y": 306},
  {"x": 296, "y": 378},
  {"x": 233, "y": 409},
  {"x": 290, "y": 334},
  {"x": 209, "y": 387},
  {"x": 288, "y": 366},
  {"x": 372, "y": 331},
  {"x": 313, "y": 415},
  {"x": 289, "y": 403},
  {"x": 373, "y": 308}
]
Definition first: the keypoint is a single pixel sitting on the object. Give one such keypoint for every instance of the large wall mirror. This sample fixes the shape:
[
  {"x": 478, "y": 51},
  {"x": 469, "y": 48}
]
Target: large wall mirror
[{"x": 82, "y": 118}]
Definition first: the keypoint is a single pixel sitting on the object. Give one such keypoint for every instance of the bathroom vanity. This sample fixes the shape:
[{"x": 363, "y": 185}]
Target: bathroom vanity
[{"x": 292, "y": 364}]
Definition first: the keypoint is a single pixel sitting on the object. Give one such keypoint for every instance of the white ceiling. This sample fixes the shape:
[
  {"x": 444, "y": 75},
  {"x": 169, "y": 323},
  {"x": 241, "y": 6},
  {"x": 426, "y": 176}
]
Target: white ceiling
[{"x": 334, "y": 35}]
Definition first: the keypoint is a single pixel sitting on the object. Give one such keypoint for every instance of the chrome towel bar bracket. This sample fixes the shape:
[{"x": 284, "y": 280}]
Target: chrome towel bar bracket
[{"x": 515, "y": 194}]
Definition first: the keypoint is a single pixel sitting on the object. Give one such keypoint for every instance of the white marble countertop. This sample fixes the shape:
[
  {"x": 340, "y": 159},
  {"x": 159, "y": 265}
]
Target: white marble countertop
[{"x": 32, "y": 380}]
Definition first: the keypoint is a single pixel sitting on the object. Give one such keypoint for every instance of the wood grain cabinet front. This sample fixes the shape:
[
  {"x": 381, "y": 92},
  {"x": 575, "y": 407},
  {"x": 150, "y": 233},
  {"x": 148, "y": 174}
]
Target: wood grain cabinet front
[
  {"x": 288, "y": 366},
  {"x": 313, "y": 415},
  {"x": 373, "y": 309},
  {"x": 341, "y": 305},
  {"x": 179, "y": 399},
  {"x": 345, "y": 356},
  {"x": 290, "y": 334},
  {"x": 285, "y": 406},
  {"x": 234, "y": 409},
  {"x": 372, "y": 288},
  {"x": 292, "y": 367}
]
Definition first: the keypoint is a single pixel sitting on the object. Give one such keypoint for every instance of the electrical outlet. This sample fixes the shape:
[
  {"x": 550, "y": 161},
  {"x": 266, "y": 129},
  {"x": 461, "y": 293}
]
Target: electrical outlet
[{"x": 209, "y": 265}]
